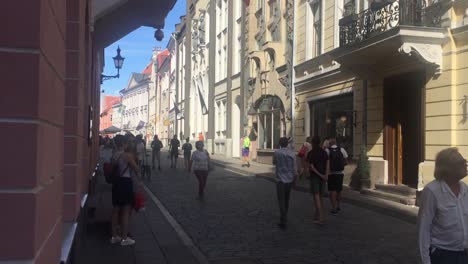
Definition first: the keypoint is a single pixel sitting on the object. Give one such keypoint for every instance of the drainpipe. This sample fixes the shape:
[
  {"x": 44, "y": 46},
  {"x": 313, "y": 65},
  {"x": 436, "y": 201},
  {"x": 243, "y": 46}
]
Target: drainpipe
[
  {"x": 364, "y": 114},
  {"x": 293, "y": 76}
]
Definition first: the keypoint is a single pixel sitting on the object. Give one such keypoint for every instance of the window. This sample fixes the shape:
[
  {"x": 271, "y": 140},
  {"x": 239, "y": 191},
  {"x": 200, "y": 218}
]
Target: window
[
  {"x": 314, "y": 29},
  {"x": 260, "y": 4},
  {"x": 333, "y": 118},
  {"x": 224, "y": 115},
  {"x": 275, "y": 33}
]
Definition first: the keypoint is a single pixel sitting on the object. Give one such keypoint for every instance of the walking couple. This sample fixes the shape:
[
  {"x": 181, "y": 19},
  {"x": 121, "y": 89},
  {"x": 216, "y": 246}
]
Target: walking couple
[{"x": 324, "y": 165}]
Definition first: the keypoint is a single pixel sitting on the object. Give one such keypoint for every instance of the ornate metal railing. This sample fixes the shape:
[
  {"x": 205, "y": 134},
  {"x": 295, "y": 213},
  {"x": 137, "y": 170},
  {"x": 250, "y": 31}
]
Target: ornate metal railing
[{"x": 384, "y": 16}]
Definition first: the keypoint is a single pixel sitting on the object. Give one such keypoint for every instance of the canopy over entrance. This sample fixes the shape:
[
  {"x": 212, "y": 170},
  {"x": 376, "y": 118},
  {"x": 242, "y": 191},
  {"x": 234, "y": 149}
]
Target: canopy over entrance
[{"x": 113, "y": 19}]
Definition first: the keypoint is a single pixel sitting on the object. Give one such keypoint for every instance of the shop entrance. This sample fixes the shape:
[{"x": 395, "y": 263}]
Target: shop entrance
[
  {"x": 404, "y": 128},
  {"x": 334, "y": 118}
]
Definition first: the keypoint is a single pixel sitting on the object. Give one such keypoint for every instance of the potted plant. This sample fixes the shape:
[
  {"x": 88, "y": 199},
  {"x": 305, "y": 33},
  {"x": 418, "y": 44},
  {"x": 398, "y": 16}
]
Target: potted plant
[{"x": 361, "y": 175}]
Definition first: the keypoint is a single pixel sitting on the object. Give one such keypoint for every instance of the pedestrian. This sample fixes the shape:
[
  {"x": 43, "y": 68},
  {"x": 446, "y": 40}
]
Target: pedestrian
[
  {"x": 443, "y": 215},
  {"x": 246, "y": 151},
  {"x": 141, "y": 151},
  {"x": 156, "y": 147},
  {"x": 318, "y": 167},
  {"x": 187, "y": 148},
  {"x": 200, "y": 164},
  {"x": 326, "y": 143},
  {"x": 201, "y": 137},
  {"x": 122, "y": 192},
  {"x": 174, "y": 151},
  {"x": 302, "y": 154},
  {"x": 286, "y": 173},
  {"x": 338, "y": 160}
]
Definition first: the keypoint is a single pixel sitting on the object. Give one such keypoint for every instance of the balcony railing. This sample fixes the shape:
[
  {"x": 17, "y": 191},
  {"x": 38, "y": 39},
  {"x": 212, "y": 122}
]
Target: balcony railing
[{"x": 384, "y": 16}]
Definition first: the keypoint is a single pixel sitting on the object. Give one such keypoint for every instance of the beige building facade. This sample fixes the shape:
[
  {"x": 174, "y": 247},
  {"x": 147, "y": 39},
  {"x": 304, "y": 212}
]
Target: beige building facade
[{"x": 389, "y": 76}]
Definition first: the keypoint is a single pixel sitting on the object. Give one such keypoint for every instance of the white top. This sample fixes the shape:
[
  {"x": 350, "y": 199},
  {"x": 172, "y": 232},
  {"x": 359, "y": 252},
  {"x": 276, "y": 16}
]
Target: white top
[
  {"x": 122, "y": 164},
  {"x": 200, "y": 160},
  {"x": 286, "y": 167},
  {"x": 345, "y": 155},
  {"x": 443, "y": 219},
  {"x": 140, "y": 148}
]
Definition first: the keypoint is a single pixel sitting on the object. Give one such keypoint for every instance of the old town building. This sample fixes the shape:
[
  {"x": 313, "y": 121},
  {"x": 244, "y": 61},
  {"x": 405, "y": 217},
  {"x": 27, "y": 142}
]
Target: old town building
[
  {"x": 61, "y": 50},
  {"x": 135, "y": 104},
  {"x": 388, "y": 76},
  {"x": 106, "y": 117}
]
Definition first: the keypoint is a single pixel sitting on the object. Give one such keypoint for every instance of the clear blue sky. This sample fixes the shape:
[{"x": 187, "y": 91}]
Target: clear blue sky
[{"x": 137, "y": 49}]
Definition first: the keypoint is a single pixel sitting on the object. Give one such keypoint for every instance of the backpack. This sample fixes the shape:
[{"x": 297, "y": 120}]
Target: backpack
[
  {"x": 337, "y": 160},
  {"x": 111, "y": 171}
]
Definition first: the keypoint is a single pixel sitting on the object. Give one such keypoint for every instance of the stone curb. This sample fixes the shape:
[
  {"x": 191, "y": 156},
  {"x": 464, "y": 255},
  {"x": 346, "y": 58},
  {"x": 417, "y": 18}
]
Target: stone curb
[{"x": 389, "y": 208}]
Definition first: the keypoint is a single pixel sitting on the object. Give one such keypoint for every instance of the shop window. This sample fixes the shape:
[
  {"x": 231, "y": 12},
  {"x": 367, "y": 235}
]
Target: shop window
[{"x": 334, "y": 118}]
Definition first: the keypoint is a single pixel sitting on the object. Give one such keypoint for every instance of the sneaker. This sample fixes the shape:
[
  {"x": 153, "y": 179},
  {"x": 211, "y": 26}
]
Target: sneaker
[
  {"x": 338, "y": 209},
  {"x": 115, "y": 240},
  {"x": 334, "y": 212},
  {"x": 159, "y": 168},
  {"x": 127, "y": 242}
]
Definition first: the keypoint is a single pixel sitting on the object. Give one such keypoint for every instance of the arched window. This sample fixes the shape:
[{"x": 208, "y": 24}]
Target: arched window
[{"x": 270, "y": 121}]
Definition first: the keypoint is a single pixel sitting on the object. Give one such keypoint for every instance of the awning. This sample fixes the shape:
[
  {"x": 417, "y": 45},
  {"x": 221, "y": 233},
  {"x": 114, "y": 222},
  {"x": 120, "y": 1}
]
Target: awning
[{"x": 111, "y": 130}]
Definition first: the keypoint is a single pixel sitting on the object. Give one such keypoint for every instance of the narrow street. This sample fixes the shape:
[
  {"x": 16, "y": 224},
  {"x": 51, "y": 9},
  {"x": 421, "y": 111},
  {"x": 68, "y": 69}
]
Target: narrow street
[{"x": 236, "y": 223}]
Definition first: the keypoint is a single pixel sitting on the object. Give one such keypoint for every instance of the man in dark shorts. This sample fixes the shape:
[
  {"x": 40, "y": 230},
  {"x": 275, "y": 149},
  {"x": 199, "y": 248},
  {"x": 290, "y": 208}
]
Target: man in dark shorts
[
  {"x": 318, "y": 166},
  {"x": 187, "y": 148},
  {"x": 174, "y": 151},
  {"x": 338, "y": 157}
]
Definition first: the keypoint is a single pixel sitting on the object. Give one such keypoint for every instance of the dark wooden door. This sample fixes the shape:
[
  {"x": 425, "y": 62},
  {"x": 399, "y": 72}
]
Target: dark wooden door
[{"x": 404, "y": 129}]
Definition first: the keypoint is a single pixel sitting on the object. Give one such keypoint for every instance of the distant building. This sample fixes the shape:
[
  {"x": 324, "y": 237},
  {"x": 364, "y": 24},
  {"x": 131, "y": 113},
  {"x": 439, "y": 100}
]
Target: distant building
[
  {"x": 162, "y": 94},
  {"x": 116, "y": 116},
  {"x": 135, "y": 104},
  {"x": 107, "y": 111}
]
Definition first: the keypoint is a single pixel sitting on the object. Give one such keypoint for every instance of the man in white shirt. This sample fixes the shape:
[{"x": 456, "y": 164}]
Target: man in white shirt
[
  {"x": 286, "y": 173},
  {"x": 443, "y": 215},
  {"x": 338, "y": 160}
]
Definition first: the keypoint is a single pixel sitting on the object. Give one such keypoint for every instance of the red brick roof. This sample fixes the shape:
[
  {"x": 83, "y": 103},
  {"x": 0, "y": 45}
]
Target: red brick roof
[
  {"x": 109, "y": 101},
  {"x": 162, "y": 56},
  {"x": 148, "y": 69}
]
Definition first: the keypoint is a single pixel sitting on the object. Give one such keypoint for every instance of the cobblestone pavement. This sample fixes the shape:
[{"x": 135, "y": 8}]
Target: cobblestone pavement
[{"x": 236, "y": 223}]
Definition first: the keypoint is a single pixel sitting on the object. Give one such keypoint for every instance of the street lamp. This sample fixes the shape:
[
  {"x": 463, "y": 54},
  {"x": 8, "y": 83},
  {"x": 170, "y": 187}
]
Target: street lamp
[{"x": 118, "y": 63}]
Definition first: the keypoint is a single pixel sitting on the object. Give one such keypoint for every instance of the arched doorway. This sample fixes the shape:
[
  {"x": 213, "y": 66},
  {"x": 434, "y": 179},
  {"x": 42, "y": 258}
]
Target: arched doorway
[{"x": 270, "y": 121}]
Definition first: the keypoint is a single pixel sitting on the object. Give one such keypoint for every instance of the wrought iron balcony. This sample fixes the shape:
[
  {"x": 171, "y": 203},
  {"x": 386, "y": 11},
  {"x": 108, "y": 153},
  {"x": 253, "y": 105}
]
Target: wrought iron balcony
[{"x": 386, "y": 15}]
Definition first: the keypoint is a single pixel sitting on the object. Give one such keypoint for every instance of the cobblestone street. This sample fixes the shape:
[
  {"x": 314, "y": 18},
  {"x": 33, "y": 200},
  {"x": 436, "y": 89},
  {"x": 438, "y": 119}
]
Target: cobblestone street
[{"x": 236, "y": 223}]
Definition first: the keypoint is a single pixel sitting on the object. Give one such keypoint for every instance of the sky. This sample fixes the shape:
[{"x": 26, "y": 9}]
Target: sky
[{"x": 137, "y": 49}]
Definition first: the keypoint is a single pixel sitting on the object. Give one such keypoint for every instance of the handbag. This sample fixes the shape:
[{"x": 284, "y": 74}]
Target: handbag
[
  {"x": 139, "y": 203},
  {"x": 302, "y": 151}
]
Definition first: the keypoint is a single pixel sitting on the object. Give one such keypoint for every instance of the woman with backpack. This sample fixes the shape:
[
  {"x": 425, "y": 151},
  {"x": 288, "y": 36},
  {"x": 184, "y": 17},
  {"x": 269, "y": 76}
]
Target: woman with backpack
[
  {"x": 200, "y": 164},
  {"x": 122, "y": 191},
  {"x": 338, "y": 160}
]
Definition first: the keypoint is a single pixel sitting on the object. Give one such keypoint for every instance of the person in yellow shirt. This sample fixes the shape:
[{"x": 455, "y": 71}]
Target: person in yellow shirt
[{"x": 246, "y": 151}]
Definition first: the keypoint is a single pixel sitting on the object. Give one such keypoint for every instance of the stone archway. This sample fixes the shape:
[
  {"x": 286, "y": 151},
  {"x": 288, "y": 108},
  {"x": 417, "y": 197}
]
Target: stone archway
[{"x": 270, "y": 120}]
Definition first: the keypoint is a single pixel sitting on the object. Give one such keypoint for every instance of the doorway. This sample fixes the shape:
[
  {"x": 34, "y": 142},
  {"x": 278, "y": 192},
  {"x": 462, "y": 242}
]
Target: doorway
[{"x": 404, "y": 127}]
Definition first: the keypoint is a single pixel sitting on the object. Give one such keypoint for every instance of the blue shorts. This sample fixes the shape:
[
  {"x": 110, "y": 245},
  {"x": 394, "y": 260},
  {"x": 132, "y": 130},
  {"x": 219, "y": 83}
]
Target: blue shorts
[{"x": 245, "y": 152}]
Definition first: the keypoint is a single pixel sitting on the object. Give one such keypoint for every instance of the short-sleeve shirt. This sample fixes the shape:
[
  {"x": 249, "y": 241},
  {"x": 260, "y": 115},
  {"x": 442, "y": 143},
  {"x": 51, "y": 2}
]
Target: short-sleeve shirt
[
  {"x": 175, "y": 144},
  {"x": 200, "y": 160},
  {"x": 246, "y": 142},
  {"x": 157, "y": 145},
  {"x": 318, "y": 157},
  {"x": 187, "y": 147}
]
